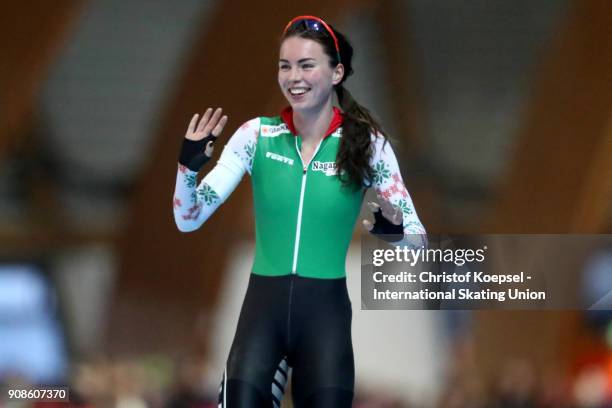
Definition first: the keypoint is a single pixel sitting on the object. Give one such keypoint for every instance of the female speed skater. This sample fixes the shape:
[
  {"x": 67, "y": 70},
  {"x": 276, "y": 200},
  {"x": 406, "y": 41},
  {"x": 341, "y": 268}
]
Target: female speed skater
[{"x": 310, "y": 167}]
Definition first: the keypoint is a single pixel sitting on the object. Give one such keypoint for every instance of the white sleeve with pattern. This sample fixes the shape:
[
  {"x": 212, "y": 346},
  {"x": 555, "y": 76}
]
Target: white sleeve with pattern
[
  {"x": 193, "y": 205},
  {"x": 387, "y": 182}
]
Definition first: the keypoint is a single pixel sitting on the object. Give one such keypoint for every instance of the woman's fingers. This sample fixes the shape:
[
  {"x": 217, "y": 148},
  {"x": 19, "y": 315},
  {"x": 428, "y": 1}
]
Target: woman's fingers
[
  {"x": 373, "y": 206},
  {"x": 219, "y": 127},
  {"x": 192, "y": 125},
  {"x": 213, "y": 121},
  {"x": 204, "y": 121},
  {"x": 386, "y": 207},
  {"x": 191, "y": 134},
  {"x": 391, "y": 212},
  {"x": 385, "y": 204}
]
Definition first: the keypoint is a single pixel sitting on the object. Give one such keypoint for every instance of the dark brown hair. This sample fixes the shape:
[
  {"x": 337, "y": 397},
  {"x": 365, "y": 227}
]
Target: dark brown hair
[{"x": 355, "y": 151}]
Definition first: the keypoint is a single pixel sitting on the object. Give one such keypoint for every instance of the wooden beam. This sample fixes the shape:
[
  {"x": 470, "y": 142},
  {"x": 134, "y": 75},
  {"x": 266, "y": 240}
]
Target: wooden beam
[
  {"x": 560, "y": 180},
  {"x": 33, "y": 34},
  {"x": 401, "y": 77},
  {"x": 35, "y": 238},
  {"x": 408, "y": 107}
]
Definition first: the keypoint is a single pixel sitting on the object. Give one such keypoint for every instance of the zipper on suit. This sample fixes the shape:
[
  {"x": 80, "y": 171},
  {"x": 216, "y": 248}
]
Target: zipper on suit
[{"x": 298, "y": 227}]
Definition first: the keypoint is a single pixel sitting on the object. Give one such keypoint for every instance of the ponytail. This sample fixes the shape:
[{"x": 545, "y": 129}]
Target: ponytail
[{"x": 355, "y": 151}]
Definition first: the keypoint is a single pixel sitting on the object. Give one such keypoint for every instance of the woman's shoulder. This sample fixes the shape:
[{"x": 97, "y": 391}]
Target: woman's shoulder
[
  {"x": 250, "y": 124},
  {"x": 272, "y": 126},
  {"x": 379, "y": 142},
  {"x": 261, "y": 125},
  {"x": 271, "y": 121},
  {"x": 264, "y": 121}
]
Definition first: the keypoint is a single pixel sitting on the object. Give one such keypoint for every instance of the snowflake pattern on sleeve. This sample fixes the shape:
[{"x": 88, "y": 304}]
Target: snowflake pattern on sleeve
[
  {"x": 244, "y": 142},
  {"x": 249, "y": 153},
  {"x": 192, "y": 203},
  {"x": 387, "y": 182},
  {"x": 190, "y": 180},
  {"x": 380, "y": 172},
  {"x": 206, "y": 193}
]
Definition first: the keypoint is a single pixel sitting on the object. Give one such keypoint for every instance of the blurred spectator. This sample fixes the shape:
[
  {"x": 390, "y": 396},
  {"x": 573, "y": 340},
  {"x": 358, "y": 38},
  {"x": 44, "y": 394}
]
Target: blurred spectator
[
  {"x": 188, "y": 390},
  {"x": 517, "y": 386},
  {"x": 554, "y": 390}
]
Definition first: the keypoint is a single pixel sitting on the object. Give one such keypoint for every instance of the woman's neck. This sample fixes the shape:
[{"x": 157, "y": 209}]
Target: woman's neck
[{"x": 313, "y": 125}]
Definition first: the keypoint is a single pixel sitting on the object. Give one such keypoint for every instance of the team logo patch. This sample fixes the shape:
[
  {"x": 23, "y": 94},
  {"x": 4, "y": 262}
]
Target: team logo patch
[
  {"x": 329, "y": 168},
  {"x": 273, "y": 130},
  {"x": 279, "y": 158}
]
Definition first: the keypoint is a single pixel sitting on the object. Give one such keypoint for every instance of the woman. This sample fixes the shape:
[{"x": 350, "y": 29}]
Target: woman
[{"x": 309, "y": 169}]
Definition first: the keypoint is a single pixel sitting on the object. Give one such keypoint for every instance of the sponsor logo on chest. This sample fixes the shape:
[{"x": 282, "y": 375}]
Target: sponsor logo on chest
[
  {"x": 327, "y": 168},
  {"x": 273, "y": 130},
  {"x": 279, "y": 158}
]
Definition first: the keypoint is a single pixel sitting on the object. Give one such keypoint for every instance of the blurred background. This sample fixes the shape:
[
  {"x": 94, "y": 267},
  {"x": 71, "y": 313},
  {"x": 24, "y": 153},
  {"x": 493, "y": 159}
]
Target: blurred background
[{"x": 502, "y": 115}]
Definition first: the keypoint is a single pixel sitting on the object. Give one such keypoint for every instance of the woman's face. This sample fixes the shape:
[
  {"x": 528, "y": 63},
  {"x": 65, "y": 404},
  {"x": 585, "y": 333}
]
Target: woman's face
[{"x": 304, "y": 74}]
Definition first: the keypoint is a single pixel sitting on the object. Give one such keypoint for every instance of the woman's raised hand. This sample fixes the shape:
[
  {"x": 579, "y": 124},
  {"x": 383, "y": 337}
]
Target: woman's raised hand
[
  {"x": 209, "y": 127},
  {"x": 197, "y": 146}
]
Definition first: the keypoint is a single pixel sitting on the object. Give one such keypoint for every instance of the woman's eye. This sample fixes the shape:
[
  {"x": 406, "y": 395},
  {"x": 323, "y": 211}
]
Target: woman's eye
[
  {"x": 283, "y": 67},
  {"x": 308, "y": 66}
]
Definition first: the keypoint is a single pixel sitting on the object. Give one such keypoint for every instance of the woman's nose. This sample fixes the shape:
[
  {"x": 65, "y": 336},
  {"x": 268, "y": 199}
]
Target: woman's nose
[{"x": 295, "y": 75}]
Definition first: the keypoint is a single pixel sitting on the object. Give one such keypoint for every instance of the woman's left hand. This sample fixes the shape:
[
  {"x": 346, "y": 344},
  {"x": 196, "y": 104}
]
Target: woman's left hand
[{"x": 391, "y": 212}]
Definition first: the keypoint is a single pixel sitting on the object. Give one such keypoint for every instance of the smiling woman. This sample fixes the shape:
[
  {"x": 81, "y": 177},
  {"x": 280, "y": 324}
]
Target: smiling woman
[
  {"x": 309, "y": 167},
  {"x": 306, "y": 76}
]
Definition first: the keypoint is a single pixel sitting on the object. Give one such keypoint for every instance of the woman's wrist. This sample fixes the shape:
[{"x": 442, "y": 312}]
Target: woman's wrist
[
  {"x": 385, "y": 229},
  {"x": 192, "y": 153}
]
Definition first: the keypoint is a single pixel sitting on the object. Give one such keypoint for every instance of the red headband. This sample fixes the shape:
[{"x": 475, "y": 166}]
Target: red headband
[{"x": 317, "y": 19}]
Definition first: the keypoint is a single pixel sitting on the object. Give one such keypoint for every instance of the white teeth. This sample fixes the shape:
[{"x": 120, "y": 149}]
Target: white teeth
[{"x": 298, "y": 91}]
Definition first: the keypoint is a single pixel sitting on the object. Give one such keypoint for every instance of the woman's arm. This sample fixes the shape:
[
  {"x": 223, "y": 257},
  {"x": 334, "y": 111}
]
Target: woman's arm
[
  {"x": 396, "y": 206},
  {"x": 194, "y": 204}
]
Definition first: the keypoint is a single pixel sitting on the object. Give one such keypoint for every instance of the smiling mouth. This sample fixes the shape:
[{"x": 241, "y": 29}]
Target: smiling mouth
[{"x": 298, "y": 91}]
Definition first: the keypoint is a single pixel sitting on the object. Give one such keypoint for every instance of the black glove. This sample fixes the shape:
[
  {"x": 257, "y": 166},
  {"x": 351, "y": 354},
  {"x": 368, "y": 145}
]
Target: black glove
[
  {"x": 192, "y": 153},
  {"x": 385, "y": 229}
]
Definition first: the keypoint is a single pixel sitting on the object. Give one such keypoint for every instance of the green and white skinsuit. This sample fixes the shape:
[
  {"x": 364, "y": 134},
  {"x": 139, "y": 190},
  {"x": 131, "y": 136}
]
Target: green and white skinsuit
[{"x": 304, "y": 220}]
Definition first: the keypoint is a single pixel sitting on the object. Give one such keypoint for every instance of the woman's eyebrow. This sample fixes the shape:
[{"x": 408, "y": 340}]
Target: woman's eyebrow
[{"x": 299, "y": 61}]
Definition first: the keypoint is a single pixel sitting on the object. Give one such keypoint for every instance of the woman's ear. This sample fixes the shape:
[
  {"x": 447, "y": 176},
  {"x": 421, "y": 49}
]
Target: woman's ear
[{"x": 338, "y": 74}]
